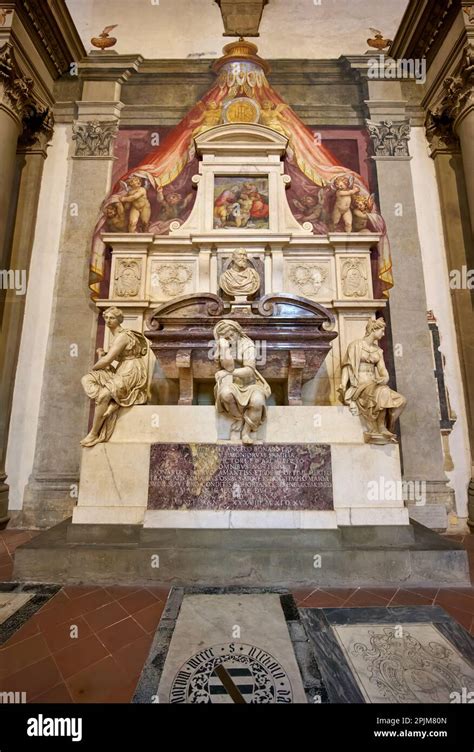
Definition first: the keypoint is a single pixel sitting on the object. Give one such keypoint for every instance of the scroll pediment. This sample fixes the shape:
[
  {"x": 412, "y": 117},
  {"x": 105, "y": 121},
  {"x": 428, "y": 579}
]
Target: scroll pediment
[{"x": 241, "y": 137}]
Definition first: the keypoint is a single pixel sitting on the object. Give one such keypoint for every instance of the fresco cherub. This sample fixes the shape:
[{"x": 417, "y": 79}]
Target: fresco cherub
[
  {"x": 140, "y": 207},
  {"x": 344, "y": 188}
]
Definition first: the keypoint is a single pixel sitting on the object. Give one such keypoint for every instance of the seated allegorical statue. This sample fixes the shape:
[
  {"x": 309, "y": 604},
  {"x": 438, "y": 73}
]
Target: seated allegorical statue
[
  {"x": 241, "y": 391},
  {"x": 364, "y": 386},
  {"x": 240, "y": 279},
  {"x": 113, "y": 387}
]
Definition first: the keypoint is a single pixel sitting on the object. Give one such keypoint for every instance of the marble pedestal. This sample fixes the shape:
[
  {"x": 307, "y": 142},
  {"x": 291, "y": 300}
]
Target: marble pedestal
[{"x": 115, "y": 477}]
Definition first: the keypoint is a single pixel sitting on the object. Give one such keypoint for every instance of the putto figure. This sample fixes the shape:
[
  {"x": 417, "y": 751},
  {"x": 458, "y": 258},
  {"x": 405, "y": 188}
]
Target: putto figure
[
  {"x": 364, "y": 386},
  {"x": 241, "y": 391},
  {"x": 113, "y": 387},
  {"x": 240, "y": 278}
]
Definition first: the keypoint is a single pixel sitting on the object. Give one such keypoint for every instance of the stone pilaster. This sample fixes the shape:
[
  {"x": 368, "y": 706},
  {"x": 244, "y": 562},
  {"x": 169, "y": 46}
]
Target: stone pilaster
[
  {"x": 450, "y": 132},
  {"x": 22, "y": 117},
  {"x": 52, "y": 489},
  {"x": 421, "y": 445}
]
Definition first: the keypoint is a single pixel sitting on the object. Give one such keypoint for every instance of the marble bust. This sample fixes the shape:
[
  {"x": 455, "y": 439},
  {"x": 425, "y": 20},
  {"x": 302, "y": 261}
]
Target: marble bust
[
  {"x": 364, "y": 386},
  {"x": 240, "y": 280},
  {"x": 241, "y": 391}
]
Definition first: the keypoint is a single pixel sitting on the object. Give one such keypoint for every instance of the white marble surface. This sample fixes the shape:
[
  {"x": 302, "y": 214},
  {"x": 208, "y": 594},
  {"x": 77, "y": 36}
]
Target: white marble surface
[
  {"x": 404, "y": 663},
  {"x": 274, "y": 519},
  {"x": 11, "y": 602},
  {"x": 199, "y": 423},
  {"x": 247, "y": 635}
]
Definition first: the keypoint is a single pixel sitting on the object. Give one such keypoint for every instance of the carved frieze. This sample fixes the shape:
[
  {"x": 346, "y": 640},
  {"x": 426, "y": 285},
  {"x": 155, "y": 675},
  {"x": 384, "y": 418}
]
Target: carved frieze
[
  {"x": 127, "y": 281},
  {"x": 354, "y": 278},
  {"x": 94, "y": 138},
  {"x": 170, "y": 278},
  {"x": 389, "y": 138},
  {"x": 308, "y": 278}
]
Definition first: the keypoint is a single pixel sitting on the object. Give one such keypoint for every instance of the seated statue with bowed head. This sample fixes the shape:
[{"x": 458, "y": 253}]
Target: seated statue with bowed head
[
  {"x": 113, "y": 387},
  {"x": 241, "y": 391},
  {"x": 364, "y": 386}
]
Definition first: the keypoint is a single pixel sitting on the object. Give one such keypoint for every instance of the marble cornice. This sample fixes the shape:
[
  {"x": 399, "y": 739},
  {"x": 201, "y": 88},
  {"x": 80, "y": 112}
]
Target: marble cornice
[{"x": 423, "y": 28}]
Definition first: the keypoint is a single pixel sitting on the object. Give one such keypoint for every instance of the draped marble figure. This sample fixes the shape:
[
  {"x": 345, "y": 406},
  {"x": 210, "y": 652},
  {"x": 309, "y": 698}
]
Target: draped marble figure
[
  {"x": 364, "y": 386},
  {"x": 241, "y": 391},
  {"x": 113, "y": 387}
]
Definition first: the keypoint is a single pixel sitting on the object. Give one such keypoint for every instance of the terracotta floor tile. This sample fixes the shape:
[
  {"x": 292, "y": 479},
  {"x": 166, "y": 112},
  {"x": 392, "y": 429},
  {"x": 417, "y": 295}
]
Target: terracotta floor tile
[
  {"x": 120, "y": 634},
  {"x": 78, "y": 591},
  {"x": 60, "y": 636},
  {"x": 122, "y": 694},
  {"x": 301, "y": 594},
  {"x": 385, "y": 593},
  {"x": 34, "y": 680},
  {"x": 27, "y": 630},
  {"x": 462, "y": 617},
  {"x": 77, "y": 657},
  {"x": 131, "y": 658},
  {"x": 458, "y": 600},
  {"x": 97, "y": 682},
  {"x": 362, "y": 598},
  {"x": 427, "y": 592},
  {"x": 92, "y": 601},
  {"x": 161, "y": 593},
  {"x": 406, "y": 598},
  {"x": 342, "y": 593},
  {"x": 120, "y": 591},
  {"x": 59, "y": 695},
  {"x": 319, "y": 599},
  {"x": 62, "y": 613},
  {"x": 6, "y": 573},
  {"x": 106, "y": 616},
  {"x": 468, "y": 591},
  {"x": 53, "y": 602},
  {"x": 150, "y": 616},
  {"x": 18, "y": 656},
  {"x": 137, "y": 601}
]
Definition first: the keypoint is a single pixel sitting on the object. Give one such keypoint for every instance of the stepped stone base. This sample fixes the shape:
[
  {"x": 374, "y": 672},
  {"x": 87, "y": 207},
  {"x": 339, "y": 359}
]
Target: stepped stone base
[{"x": 127, "y": 554}]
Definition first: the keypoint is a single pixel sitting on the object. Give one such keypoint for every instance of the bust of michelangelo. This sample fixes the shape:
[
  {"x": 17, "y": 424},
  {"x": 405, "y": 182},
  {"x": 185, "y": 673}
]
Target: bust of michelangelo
[{"x": 240, "y": 278}]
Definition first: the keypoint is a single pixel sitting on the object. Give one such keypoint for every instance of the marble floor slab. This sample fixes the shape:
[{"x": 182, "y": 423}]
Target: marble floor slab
[
  {"x": 11, "y": 602},
  {"x": 391, "y": 655},
  {"x": 404, "y": 663},
  {"x": 231, "y": 648}
]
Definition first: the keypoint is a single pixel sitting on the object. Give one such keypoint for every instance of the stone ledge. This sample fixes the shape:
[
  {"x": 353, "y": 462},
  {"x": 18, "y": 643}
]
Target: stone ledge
[{"x": 367, "y": 557}]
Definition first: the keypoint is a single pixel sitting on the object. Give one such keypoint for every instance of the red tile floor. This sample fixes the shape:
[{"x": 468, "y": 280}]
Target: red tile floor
[{"x": 115, "y": 627}]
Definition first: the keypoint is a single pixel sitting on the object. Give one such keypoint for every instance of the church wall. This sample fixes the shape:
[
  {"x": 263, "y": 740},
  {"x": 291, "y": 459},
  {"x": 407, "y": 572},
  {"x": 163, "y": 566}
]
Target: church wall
[
  {"x": 41, "y": 290},
  {"x": 436, "y": 275}
]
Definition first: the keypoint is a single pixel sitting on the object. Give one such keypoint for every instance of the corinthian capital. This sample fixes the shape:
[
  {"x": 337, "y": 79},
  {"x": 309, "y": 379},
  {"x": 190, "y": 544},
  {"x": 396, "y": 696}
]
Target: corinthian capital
[
  {"x": 94, "y": 138},
  {"x": 456, "y": 97},
  {"x": 390, "y": 139},
  {"x": 17, "y": 88}
]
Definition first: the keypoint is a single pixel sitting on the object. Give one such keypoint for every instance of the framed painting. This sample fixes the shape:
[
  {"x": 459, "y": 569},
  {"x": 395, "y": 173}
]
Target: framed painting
[{"x": 241, "y": 201}]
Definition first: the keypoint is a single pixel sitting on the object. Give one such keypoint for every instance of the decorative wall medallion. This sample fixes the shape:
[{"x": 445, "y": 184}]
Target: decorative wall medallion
[
  {"x": 171, "y": 278},
  {"x": 128, "y": 274},
  {"x": 308, "y": 278},
  {"x": 233, "y": 672},
  {"x": 241, "y": 110},
  {"x": 354, "y": 279},
  {"x": 390, "y": 139},
  {"x": 94, "y": 138}
]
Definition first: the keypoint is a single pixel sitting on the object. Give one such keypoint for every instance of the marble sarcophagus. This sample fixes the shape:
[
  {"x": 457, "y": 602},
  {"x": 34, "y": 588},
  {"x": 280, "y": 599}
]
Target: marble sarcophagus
[{"x": 293, "y": 337}]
